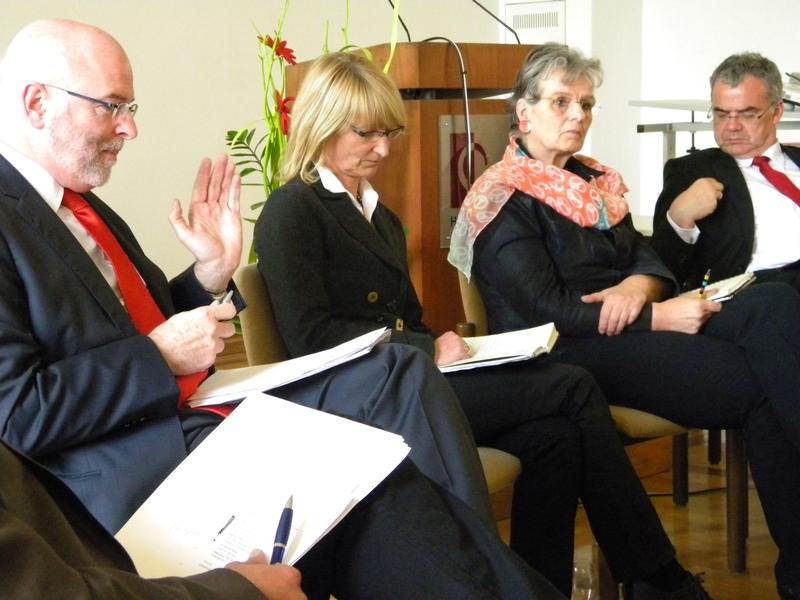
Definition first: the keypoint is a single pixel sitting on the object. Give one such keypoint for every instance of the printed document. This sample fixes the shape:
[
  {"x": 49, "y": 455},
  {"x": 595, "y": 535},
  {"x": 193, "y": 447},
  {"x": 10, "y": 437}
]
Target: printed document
[{"x": 226, "y": 497}]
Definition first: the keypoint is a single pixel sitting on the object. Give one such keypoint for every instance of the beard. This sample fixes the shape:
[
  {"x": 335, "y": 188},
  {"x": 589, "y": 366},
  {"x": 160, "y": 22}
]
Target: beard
[{"x": 82, "y": 154}]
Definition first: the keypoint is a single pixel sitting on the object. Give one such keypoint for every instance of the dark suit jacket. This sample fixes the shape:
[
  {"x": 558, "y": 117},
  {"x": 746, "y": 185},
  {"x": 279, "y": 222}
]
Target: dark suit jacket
[
  {"x": 53, "y": 548},
  {"x": 331, "y": 274},
  {"x": 727, "y": 235},
  {"x": 81, "y": 390}
]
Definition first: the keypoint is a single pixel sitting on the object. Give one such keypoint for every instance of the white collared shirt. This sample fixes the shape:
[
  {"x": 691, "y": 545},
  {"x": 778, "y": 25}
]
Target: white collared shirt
[
  {"x": 52, "y": 192},
  {"x": 777, "y": 218},
  {"x": 369, "y": 197}
]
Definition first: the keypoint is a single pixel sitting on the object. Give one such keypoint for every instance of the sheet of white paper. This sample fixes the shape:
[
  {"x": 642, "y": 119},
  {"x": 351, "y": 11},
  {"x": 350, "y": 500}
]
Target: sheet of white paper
[
  {"x": 226, "y": 498},
  {"x": 230, "y": 385}
]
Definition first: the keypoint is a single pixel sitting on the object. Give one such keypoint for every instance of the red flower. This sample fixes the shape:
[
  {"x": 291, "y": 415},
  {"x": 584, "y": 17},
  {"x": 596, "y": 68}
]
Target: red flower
[
  {"x": 281, "y": 50},
  {"x": 284, "y": 110}
]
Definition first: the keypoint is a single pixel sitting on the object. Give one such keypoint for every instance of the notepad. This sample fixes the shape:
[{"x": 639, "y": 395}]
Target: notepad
[
  {"x": 724, "y": 289},
  {"x": 501, "y": 348},
  {"x": 226, "y": 497}
]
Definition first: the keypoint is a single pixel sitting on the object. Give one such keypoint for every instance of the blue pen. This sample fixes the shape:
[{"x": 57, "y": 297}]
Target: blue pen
[{"x": 282, "y": 534}]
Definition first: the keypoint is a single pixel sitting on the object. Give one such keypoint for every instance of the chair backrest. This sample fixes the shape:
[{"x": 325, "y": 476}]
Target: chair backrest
[
  {"x": 474, "y": 310},
  {"x": 262, "y": 342}
]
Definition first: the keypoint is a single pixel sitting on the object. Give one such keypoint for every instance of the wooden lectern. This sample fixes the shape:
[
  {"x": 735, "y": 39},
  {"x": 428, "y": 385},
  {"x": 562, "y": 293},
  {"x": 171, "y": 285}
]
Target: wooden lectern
[{"x": 409, "y": 181}]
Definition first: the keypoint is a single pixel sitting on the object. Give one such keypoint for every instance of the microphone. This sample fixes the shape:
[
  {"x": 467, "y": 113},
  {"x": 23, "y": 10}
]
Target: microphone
[
  {"x": 491, "y": 14},
  {"x": 399, "y": 18}
]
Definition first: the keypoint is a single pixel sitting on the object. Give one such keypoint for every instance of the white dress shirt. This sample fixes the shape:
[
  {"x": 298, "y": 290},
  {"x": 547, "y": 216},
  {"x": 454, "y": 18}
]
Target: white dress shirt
[
  {"x": 369, "y": 197},
  {"x": 777, "y": 218}
]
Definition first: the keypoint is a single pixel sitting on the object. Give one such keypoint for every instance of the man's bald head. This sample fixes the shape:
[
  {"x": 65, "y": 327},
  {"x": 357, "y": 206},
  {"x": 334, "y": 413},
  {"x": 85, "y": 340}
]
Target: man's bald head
[
  {"x": 59, "y": 52},
  {"x": 48, "y": 65}
]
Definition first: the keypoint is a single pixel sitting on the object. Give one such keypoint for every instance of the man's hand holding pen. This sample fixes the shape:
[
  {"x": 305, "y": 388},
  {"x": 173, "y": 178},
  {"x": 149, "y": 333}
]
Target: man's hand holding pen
[
  {"x": 276, "y": 582},
  {"x": 189, "y": 341}
]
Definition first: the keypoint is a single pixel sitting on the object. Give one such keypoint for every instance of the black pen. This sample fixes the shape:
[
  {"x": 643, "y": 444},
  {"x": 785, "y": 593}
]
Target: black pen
[{"x": 282, "y": 533}]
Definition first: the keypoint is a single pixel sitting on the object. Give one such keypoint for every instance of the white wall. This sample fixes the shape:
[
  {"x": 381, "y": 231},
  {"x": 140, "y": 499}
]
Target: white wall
[
  {"x": 618, "y": 46},
  {"x": 197, "y": 75},
  {"x": 682, "y": 41}
]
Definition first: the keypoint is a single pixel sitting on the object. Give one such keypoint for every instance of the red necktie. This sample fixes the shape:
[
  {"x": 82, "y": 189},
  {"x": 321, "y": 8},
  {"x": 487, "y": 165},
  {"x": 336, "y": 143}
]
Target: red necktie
[
  {"x": 141, "y": 307},
  {"x": 781, "y": 182}
]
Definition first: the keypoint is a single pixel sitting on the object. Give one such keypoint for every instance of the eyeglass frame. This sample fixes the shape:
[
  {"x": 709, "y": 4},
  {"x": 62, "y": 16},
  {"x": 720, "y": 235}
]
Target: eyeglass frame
[
  {"x": 595, "y": 108},
  {"x": 744, "y": 116},
  {"x": 114, "y": 107},
  {"x": 373, "y": 135}
]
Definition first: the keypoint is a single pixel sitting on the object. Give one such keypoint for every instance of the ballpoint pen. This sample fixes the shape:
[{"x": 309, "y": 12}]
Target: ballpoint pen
[
  {"x": 704, "y": 285},
  {"x": 224, "y": 527},
  {"x": 282, "y": 533}
]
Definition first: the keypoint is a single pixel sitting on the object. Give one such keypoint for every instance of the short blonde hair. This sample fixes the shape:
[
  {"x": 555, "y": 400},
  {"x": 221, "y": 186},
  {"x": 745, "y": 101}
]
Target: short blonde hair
[{"x": 340, "y": 89}]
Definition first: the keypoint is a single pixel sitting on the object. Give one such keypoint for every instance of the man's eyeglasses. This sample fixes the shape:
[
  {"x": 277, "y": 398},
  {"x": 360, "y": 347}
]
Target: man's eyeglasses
[
  {"x": 376, "y": 134},
  {"x": 745, "y": 116},
  {"x": 561, "y": 104},
  {"x": 118, "y": 110}
]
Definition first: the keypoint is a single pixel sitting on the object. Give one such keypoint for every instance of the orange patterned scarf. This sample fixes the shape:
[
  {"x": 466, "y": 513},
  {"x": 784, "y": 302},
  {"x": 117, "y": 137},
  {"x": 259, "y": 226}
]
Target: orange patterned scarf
[{"x": 598, "y": 203}]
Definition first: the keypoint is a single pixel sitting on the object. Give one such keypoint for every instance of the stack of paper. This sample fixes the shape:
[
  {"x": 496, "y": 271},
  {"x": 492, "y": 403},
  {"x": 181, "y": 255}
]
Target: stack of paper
[
  {"x": 501, "y": 348},
  {"x": 226, "y": 498},
  {"x": 231, "y": 385}
]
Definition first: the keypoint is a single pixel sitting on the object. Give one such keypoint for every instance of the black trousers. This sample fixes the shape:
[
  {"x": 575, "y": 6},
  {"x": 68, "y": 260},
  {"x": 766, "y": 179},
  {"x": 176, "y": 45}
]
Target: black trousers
[
  {"x": 399, "y": 389},
  {"x": 412, "y": 539},
  {"x": 743, "y": 371},
  {"x": 556, "y": 420}
]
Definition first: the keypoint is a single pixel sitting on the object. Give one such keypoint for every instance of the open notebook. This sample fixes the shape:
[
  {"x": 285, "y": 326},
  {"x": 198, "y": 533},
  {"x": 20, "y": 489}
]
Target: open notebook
[
  {"x": 501, "y": 348},
  {"x": 226, "y": 497},
  {"x": 724, "y": 289}
]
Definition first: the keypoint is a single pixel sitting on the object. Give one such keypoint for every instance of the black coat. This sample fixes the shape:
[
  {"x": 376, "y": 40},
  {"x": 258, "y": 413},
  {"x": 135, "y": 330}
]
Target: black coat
[
  {"x": 727, "y": 235},
  {"x": 81, "y": 391},
  {"x": 331, "y": 274},
  {"x": 532, "y": 265}
]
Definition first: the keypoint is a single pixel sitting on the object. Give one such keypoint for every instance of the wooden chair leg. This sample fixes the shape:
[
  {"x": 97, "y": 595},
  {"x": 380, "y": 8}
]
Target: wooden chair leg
[
  {"x": 680, "y": 469},
  {"x": 714, "y": 446},
  {"x": 736, "y": 472}
]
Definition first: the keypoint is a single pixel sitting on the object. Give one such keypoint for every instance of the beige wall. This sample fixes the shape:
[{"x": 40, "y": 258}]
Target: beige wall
[{"x": 197, "y": 75}]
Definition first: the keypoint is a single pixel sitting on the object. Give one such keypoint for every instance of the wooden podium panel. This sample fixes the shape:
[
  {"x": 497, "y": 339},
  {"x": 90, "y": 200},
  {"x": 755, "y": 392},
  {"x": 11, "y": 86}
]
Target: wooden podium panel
[
  {"x": 428, "y": 76},
  {"x": 408, "y": 183},
  {"x": 434, "y": 66}
]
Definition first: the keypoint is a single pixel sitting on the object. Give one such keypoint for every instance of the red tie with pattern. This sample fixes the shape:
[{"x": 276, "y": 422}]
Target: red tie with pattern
[
  {"x": 781, "y": 182},
  {"x": 141, "y": 307}
]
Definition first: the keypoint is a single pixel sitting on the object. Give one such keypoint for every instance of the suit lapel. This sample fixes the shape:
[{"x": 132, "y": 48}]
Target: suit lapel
[
  {"x": 371, "y": 237},
  {"x": 724, "y": 168},
  {"x": 793, "y": 152},
  {"x": 33, "y": 210}
]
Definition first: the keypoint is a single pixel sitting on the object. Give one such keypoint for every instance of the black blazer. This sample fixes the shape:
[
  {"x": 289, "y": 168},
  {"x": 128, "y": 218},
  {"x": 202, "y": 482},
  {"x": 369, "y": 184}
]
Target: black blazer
[
  {"x": 331, "y": 274},
  {"x": 727, "y": 235},
  {"x": 80, "y": 389},
  {"x": 532, "y": 266},
  {"x": 53, "y": 548}
]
